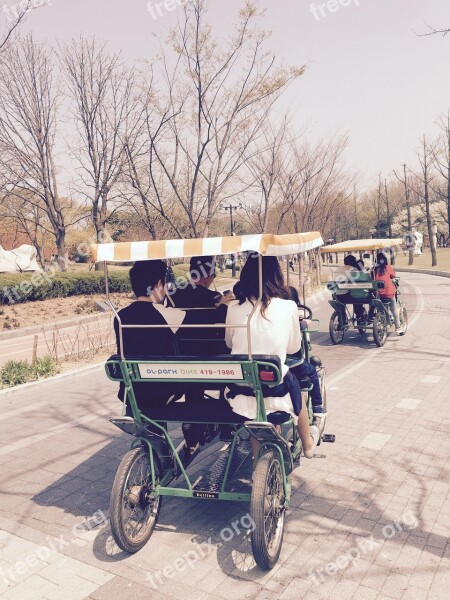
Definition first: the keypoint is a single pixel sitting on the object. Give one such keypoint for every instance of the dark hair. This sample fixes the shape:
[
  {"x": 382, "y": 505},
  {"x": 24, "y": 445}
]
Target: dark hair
[
  {"x": 294, "y": 295},
  {"x": 382, "y": 262},
  {"x": 145, "y": 274},
  {"x": 272, "y": 281},
  {"x": 203, "y": 266},
  {"x": 351, "y": 261}
]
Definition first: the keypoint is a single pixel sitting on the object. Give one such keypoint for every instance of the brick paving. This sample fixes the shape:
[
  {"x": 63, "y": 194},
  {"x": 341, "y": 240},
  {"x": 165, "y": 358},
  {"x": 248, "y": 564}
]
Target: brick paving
[{"x": 369, "y": 521}]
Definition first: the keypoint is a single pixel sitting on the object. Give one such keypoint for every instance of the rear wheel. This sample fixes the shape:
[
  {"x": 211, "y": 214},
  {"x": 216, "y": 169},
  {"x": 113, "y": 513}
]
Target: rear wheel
[
  {"x": 380, "y": 328},
  {"x": 267, "y": 509},
  {"x": 403, "y": 316},
  {"x": 336, "y": 328},
  {"x": 134, "y": 506}
]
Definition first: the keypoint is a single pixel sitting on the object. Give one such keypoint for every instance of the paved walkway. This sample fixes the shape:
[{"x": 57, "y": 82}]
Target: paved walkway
[{"x": 369, "y": 521}]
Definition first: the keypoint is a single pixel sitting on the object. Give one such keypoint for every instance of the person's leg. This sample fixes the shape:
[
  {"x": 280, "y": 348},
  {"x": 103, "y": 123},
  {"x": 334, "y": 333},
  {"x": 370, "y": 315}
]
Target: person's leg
[
  {"x": 359, "y": 310},
  {"x": 308, "y": 435},
  {"x": 393, "y": 307},
  {"x": 307, "y": 370}
]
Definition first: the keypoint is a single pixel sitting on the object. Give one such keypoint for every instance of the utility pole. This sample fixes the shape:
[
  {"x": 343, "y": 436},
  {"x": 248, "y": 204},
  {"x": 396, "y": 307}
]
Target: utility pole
[
  {"x": 387, "y": 209},
  {"x": 379, "y": 206},
  {"x": 391, "y": 250},
  {"x": 356, "y": 212},
  {"x": 408, "y": 212},
  {"x": 231, "y": 207}
]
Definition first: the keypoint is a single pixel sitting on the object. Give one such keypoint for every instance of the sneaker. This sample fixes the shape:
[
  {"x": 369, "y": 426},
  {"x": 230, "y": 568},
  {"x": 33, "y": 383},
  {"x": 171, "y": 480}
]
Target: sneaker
[
  {"x": 314, "y": 432},
  {"x": 319, "y": 411},
  {"x": 399, "y": 331}
]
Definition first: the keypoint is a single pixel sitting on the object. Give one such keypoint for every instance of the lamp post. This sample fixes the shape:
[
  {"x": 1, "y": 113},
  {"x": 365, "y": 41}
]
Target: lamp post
[
  {"x": 232, "y": 207},
  {"x": 408, "y": 212}
]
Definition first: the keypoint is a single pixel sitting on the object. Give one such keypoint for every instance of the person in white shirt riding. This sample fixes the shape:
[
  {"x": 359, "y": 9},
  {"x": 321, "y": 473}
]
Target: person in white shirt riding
[{"x": 274, "y": 330}]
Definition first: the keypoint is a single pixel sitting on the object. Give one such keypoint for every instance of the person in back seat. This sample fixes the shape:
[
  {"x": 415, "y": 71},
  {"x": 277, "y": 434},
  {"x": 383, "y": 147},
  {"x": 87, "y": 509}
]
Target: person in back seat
[
  {"x": 196, "y": 294},
  {"x": 148, "y": 284},
  {"x": 274, "y": 330}
]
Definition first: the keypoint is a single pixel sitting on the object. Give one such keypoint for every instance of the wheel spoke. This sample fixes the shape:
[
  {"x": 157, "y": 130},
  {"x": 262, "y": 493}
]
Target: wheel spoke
[{"x": 134, "y": 507}]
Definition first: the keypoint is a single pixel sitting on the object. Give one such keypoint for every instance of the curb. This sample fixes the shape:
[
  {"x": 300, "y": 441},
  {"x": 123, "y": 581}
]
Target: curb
[
  {"x": 26, "y": 331},
  {"x": 23, "y": 386},
  {"x": 423, "y": 272}
]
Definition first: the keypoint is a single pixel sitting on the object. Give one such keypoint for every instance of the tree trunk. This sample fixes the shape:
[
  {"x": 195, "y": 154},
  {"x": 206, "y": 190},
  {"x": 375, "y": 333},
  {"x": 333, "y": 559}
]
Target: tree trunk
[
  {"x": 61, "y": 250},
  {"x": 429, "y": 223},
  {"x": 448, "y": 198},
  {"x": 300, "y": 271},
  {"x": 100, "y": 235}
]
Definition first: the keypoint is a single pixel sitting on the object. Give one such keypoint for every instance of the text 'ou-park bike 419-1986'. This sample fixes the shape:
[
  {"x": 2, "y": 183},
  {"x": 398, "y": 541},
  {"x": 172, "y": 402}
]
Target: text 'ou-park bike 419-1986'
[
  {"x": 356, "y": 297},
  {"x": 155, "y": 467}
]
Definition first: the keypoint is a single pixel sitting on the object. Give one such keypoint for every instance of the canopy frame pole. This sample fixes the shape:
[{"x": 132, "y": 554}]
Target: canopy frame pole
[
  {"x": 113, "y": 308},
  {"x": 255, "y": 306}
]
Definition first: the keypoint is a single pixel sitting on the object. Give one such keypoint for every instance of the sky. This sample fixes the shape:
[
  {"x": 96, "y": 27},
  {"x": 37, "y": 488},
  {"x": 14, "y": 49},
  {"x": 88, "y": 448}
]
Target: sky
[{"x": 368, "y": 72}]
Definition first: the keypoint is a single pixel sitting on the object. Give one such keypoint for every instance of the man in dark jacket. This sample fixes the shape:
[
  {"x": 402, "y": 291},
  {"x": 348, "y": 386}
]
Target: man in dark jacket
[
  {"x": 196, "y": 294},
  {"x": 148, "y": 284}
]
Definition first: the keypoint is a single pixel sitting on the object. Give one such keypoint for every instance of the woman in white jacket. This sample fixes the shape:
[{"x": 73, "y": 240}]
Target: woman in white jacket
[{"x": 275, "y": 330}]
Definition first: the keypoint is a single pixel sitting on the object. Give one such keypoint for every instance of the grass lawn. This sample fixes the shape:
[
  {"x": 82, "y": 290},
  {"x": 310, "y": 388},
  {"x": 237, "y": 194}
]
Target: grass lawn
[{"x": 424, "y": 261}]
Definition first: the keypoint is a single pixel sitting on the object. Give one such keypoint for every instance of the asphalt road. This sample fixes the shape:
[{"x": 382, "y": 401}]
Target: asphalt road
[{"x": 370, "y": 517}]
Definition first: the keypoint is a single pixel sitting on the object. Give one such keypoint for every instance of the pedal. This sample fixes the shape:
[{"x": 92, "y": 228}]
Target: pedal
[{"x": 329, "y": 437}]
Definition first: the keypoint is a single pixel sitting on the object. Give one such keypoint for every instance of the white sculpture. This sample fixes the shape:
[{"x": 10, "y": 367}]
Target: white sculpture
[
  {"x": 418, "y": 243},
  {"x": 23, "y": 258}
]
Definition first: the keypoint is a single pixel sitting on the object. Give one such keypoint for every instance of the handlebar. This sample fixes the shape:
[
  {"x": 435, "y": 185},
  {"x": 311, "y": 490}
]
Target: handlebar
[{"x": 308, "y": 314}]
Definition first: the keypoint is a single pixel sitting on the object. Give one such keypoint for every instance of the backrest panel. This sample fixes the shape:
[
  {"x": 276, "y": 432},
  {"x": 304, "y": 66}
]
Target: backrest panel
[{"x": 199, "y": 369}]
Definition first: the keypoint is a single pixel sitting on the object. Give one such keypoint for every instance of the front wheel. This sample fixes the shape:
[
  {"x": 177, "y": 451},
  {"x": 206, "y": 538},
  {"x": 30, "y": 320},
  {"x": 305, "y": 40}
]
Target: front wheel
[
  {"x": 380, "y": 328},
  {"x": 336, "y": 328},
  {"x": 134, "y": 506},
  {"x": 267, "y": 509}
]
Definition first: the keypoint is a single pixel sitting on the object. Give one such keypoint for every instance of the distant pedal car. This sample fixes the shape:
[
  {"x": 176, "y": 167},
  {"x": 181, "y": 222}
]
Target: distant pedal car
[{"x": 346, "y": 293}]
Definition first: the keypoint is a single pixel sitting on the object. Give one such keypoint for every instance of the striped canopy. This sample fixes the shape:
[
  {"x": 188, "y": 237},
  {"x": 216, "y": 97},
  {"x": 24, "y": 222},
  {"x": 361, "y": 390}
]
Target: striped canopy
[
  {"x": 266, "y": 244},
  {"x": 360, "y": 245}
]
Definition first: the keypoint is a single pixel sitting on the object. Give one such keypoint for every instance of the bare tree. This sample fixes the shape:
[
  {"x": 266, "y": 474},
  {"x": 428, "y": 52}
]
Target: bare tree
[
  {"x": 409, "y": 239},
  {"x": 441, "y": 161},
  {"x": 217, "y": 96},
  {"x": 105, "y": 113},
  {"x": 425, "y": 156},
  {"x": 265, "y": 171},
  {"x": 29, "y": 221},
  {"x": 15, "y": 15},
  {"x": 28, "y": 119},
  {"x": 315, "y": 185},
  {"x": 434, "y": 31}
]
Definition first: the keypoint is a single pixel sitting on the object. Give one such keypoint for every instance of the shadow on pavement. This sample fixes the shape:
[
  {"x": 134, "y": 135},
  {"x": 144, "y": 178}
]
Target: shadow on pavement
[{"x": 209, "y": 524}]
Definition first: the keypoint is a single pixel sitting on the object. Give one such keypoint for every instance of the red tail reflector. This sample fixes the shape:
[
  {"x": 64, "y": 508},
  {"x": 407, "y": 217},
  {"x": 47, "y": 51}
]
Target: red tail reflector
[{"x": 267, "y": 376}]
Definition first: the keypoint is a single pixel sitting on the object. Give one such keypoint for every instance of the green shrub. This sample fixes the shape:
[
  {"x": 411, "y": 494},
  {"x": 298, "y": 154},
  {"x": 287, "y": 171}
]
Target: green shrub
[
  {"x": 23, "y": 287},
  {"x": 15, "y": 372},
  {"x": 44, "y": 367}
]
